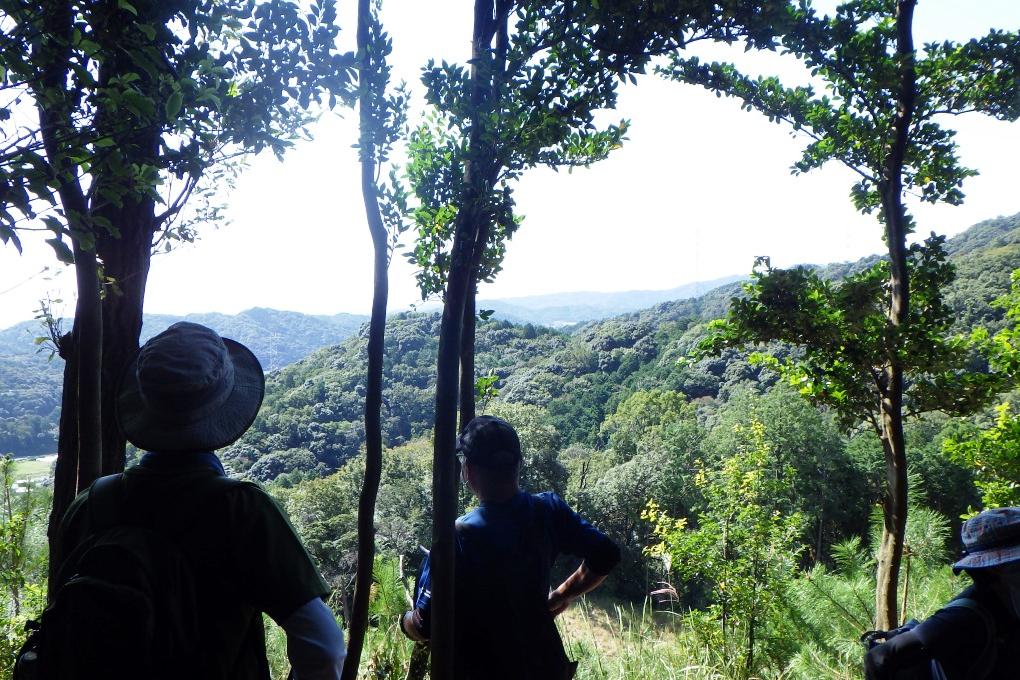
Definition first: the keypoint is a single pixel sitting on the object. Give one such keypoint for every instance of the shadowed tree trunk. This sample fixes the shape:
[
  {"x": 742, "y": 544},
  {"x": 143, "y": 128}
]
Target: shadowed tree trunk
[
  {"x": 891, "y": 407},
  {"x": 494, "y": 83},
  {"x": 376, "y": 348},
  {"x": 467, "y": 358},
  {"x": 80, "y": 422},
  {"x": 461, "y": 279},
  {"x": 126, "y": 262}
]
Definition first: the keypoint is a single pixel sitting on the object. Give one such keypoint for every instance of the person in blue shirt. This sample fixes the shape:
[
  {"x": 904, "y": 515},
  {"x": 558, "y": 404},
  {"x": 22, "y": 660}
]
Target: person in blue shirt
[{"x": 506, "y": 547}]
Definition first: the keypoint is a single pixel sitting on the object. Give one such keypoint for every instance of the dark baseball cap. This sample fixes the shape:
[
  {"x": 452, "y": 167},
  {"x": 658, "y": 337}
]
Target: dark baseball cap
[{"x": 489, "y": 441}]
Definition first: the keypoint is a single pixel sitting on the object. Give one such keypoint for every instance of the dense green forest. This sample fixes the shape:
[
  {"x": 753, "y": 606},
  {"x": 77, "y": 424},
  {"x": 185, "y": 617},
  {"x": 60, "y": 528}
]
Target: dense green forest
[
  {"x": 30, "y": 375},
  {"x": 312, "y": 420},
  {"x": 612, "y": 415},
  {"x": 784, "y": 459}
]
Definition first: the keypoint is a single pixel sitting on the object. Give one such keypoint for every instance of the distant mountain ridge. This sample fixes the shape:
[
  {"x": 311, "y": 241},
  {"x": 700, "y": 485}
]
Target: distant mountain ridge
[
  {"x": 561, "y": 309},
  {"x": 311, "y": 421},
  {"x": 276, "y": 337},
  {"x": 549, "y": 368}
]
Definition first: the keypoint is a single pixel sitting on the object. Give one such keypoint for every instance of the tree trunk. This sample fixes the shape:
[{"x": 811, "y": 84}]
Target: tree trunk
[
  {"x": 891, "y": 406},
  {"x": 126, "y": 250},
  {"x": 492, "y": 89},
  {"x": 65, "y": 471},
  {"x": 444, "y": 471},
  {"x": 80, "y": 438},
  {"x": 467, "y": 356},
  {"x": 459, "y": 280},
  {"x": 126, "y": 262},
  {"x": 374, "y": 380},
  {"x": 88, "y": 327}
]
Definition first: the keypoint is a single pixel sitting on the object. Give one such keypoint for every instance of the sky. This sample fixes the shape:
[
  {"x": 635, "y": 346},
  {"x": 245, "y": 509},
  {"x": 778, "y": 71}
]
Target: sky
[{"x": 699, "y": 189}]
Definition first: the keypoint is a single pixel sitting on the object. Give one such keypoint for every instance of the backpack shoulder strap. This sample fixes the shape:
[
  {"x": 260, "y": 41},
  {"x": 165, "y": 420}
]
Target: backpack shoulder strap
[{"x": 106, "y": 499}]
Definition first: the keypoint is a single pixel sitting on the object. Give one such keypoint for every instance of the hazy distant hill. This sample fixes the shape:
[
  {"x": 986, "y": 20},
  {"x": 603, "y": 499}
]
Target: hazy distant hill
[
  {"x": 312, "y": 415},
  {"x": 30, "y": 382},
  {"x": 311, "y": 420},
  {"x": 561, "y": 309}
]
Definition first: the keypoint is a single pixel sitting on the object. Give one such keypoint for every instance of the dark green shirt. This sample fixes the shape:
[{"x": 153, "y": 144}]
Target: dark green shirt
[{"x": 248, "y": 559}]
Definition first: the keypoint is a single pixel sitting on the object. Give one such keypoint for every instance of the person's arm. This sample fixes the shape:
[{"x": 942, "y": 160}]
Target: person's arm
[
  {"x": 582, "y": 581},
  {"x": 576, "y": 536},
  {"x": 885, "y": 660},
  {"x": 315, "y": 643},
  {"x": 415, "y": 623},
  {"x": 412, "y": 625}
]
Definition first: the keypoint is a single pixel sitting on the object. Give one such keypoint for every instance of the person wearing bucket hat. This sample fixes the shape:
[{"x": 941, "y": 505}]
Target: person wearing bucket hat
[
  {"x": 505, "y": 550},
  {"x": 186, "y": 393},
  {"x": 977, "y": 634}
]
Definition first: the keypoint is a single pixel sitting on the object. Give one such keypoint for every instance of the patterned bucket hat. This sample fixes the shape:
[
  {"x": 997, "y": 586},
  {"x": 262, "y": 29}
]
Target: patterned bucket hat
[{"x": 990, "y": 539}]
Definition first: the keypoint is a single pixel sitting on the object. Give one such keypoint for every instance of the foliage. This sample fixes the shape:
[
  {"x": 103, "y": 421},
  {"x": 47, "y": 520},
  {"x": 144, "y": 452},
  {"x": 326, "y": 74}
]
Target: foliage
[
  {"x": 23, "y": 556},
  {"x": 853, "y": 53},
  {"x": 994, "y": 452},
  {"x": 846, "y": 341},
  {"x": 530, "y": 101},
  {"x": 315, "y": 406},
  {"x": 743, "y": 550},
  {"x": 641, "y": 420},
  {"x": 805, "y": 439},
  {"x": 994, "y": 456},
  {"x": 192, "y": 73}
]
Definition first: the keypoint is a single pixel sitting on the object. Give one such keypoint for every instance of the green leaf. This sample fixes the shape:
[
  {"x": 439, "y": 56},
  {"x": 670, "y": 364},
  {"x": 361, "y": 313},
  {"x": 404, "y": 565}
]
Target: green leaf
[
  {"x": 127, "y": 7},
  {"x": 63, "y": 253},
  {"x": 173, "y": 105}
]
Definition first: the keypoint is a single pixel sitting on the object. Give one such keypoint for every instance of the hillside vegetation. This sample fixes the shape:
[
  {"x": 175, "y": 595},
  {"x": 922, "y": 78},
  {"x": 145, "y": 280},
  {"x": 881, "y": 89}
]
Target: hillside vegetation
[
  {"x": 30, "y": 376},
  {"x": 312, "y": 418}
]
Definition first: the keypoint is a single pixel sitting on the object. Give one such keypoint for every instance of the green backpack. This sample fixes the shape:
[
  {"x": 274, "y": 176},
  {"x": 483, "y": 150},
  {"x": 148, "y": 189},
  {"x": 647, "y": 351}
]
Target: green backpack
[{"x": 126, "y": 606}]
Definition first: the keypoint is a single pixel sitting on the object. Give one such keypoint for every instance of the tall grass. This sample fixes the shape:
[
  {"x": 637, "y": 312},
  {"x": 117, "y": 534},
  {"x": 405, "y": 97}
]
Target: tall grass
[{"x": 827, "y": 612}]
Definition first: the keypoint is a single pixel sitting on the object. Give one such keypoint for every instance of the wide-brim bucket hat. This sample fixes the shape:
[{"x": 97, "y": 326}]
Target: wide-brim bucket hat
[
  {"x": 990, "y": 539},
  {"x": 188, "y": 389}
]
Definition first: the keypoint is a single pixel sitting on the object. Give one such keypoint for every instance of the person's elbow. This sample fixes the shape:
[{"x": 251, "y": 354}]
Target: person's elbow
[
  {"x": 412, "y": 625},
  {"x": 315, "y": 643},
  {"x": 320, "y": 662},
  {"x": 606, "y": 559}
]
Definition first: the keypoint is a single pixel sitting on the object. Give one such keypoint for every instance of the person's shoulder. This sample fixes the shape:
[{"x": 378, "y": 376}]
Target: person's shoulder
[
  {"x": 469, "y": 519},
  {"x": 551, "y": 500}
]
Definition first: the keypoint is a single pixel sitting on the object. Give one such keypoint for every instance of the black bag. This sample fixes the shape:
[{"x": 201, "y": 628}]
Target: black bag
[
  {"x": 928, "y": 668},
  {"x": 126, "y": 606}
]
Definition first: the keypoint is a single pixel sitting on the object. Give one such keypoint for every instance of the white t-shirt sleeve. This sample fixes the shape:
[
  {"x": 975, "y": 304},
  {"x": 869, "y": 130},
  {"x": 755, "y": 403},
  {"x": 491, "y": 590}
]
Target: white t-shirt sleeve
[{"x": 315, "y": 643}]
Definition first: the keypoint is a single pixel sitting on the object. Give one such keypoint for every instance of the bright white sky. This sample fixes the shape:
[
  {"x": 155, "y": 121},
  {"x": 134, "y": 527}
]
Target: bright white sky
[{"x": 697, "y": 192}]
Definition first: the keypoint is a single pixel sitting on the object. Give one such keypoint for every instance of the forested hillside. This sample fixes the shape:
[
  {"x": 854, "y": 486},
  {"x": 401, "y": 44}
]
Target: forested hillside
[
  {"x": 578, "y": 378},
  {"x": 30, "y": 378},
  {"x": 312, "y": 418}
]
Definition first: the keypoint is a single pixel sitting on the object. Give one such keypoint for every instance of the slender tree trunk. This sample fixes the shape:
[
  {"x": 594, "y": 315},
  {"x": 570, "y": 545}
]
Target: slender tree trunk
[
  {"x": 891, "y": 405},
  {"x": 80, "y": 438},
  {"x": 444, "y": 471},
  {"x": 126, "y": 262},
  {"x": 467, "y": 356},
  {"x": 88, "y": 325},
  {"x": 376, "y": 347},
  {"x": 459, "y": 281}
]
